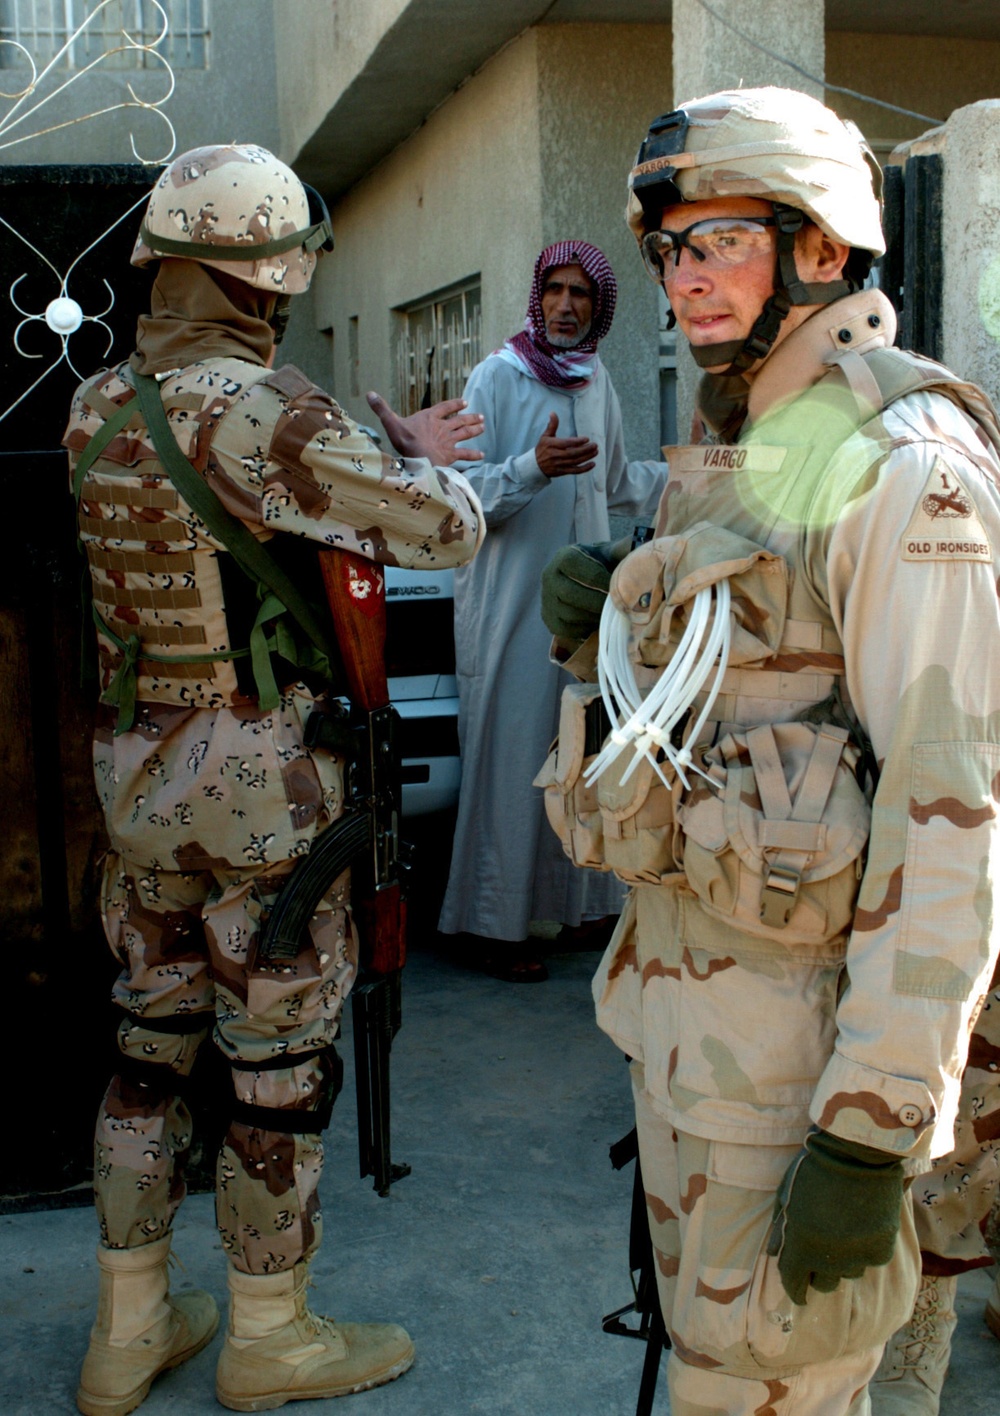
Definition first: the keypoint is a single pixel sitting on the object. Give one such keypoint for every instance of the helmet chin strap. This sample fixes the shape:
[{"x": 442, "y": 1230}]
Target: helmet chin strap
[{"x": 789, "y": 290}]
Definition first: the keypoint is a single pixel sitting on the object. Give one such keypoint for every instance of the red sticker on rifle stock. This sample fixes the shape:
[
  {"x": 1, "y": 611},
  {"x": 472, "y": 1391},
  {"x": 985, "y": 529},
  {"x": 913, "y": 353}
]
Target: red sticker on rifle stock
[{"x": 365, "y": 582}]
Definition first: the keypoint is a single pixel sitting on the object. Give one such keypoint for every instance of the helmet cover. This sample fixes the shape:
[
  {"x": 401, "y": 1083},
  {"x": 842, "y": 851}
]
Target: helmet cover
[
  {"x": 218, "y": 204},
  {"x": 775, "y": 144}
]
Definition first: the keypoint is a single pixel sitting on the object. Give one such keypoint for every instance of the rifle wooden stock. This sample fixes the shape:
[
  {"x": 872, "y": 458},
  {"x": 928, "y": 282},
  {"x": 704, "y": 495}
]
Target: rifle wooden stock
[{"x": 355, "y": 592}]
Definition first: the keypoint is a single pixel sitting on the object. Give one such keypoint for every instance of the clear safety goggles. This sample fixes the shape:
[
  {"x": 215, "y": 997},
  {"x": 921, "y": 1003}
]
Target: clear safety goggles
[{"x": 720, "y": 242}]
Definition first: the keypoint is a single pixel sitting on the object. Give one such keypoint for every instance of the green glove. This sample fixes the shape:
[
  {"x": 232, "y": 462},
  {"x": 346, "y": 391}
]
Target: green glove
[
  {"x": 575, "y": 585},
  {"x": 837, "y": 1213}
]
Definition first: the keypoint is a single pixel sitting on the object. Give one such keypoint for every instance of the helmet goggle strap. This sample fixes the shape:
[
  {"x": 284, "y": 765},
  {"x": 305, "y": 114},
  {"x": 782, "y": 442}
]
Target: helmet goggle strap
[
  {"x": 280, "y": 316},
  {"x": 317, "y": 236}
]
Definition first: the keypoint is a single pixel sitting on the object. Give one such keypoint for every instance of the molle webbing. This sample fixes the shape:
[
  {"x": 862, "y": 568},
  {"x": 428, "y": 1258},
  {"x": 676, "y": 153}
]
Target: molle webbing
[{"x": 276, "y": 593}]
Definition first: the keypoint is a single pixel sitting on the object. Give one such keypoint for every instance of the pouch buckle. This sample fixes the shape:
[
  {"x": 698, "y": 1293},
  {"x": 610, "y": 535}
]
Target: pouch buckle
[{"x": 778, "y": 895}]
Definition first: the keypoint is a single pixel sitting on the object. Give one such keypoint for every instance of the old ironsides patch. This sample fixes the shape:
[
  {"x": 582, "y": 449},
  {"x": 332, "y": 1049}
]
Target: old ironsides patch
[{"x": 945, "y": 524}]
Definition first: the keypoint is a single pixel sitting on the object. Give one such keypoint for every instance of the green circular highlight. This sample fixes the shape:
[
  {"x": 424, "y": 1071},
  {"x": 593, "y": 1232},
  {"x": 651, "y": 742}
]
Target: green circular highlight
[{"x": 989, "y": 298}]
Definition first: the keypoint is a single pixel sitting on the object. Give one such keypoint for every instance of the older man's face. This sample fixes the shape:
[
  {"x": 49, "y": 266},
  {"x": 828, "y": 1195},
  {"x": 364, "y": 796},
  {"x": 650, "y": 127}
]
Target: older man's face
[{"x": 567, "y": 306}]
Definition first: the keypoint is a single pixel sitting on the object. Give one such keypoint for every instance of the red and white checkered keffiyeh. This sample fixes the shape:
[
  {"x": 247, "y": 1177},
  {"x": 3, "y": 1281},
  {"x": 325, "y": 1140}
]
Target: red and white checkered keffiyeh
[{"x": 531, "y": 350}]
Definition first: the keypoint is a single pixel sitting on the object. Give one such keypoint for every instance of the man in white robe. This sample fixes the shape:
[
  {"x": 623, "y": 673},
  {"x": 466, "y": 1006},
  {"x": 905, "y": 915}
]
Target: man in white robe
[{"x": 554, "y": 466}]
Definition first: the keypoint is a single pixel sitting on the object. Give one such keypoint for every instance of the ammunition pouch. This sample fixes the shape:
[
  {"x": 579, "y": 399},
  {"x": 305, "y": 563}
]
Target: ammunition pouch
[
  {"x": 570, "y": 805},
  {"x": 774, "y": 844},
  {"x": 285, "y": 1120},
  {"x": 627, "y": 828},
  {"x": 771, "y": 835}
]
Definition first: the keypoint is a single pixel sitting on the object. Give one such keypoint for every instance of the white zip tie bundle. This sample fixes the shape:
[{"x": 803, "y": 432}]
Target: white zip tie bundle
[{"x": 646, "y": 723}]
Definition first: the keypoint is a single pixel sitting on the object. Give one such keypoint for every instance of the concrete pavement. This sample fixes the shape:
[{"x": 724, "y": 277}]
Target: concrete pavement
[{"x": 500, "y": 1253}]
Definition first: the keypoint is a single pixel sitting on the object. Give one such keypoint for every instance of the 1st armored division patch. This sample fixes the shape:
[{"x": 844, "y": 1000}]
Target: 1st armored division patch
[{"x": 945, "y": 524}]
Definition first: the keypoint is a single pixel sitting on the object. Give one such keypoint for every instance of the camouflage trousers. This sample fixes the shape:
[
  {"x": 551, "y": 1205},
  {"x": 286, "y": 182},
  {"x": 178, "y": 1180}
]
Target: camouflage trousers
[
  {"x": 957, "y": 1202},
  {"x": 739, "y": 1345},
  {"x": 186, "y": 944}
]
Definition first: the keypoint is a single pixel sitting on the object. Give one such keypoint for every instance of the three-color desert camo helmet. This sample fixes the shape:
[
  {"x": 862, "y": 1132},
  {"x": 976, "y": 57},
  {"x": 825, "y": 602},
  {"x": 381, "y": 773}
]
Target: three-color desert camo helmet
[
  {"x": 237, "y": 208},
  {"x": 779, "y": 146}
]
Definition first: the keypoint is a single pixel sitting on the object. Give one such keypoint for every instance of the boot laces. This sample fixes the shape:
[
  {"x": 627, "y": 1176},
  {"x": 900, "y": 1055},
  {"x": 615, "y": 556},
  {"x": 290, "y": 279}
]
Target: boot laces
[
  {"x": 922, "y": 1333},
  {"x": 317, "y": 1324}
]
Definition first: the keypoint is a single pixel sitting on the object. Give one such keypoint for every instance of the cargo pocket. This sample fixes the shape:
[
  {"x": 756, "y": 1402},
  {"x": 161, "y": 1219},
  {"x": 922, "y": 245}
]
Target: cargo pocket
[
  {"x": 860, "y": 1314},
  {"x": 570, "y": 804},
  {"x": 740, "y": 1308},
  {"x": 773, "y": 843}
]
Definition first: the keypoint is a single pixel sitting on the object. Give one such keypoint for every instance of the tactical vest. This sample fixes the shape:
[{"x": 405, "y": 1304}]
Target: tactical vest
[
  {"x": 783, "y": 749},
  {"x": 178, "y": 621}
]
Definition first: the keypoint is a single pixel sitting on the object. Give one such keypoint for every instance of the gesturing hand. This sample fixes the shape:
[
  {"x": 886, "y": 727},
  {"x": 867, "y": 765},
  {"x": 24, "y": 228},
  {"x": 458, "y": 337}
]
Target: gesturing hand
[
  {"x": 434, "y": 433},
  {"x": 563, "y": 457}
]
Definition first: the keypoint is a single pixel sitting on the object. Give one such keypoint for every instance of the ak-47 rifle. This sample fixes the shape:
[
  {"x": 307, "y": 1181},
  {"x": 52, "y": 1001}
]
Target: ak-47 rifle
[
  {"x": 366, "y": 838},
  {"x": 355, "y": 592}
]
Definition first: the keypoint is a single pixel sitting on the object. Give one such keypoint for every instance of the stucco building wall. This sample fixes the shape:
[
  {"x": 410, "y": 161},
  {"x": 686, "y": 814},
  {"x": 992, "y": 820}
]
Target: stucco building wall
[
  {"x": 924, "y": 73},
  {"x": 599, "y": 86},
  {"x": 322, "y": 46},
  {"x": 971, "y": 244},
  {"x": 534, "y": 148},
  {"x": 457, "y": 199}
]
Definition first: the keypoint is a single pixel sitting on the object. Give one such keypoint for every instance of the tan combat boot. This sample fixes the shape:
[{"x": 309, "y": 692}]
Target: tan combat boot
[
  {"x": 140, "y": 1331},
  {"x": 992, "y": 1313},
  {"x": 277, "y": 1350},
  {"x": 915, "y": 1362}
]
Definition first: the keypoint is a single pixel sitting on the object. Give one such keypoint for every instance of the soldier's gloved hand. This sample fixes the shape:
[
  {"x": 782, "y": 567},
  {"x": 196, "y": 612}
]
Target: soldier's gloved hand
[
  {"x": 575, "y": 585},
  {"x": 836, "y": 1214}
]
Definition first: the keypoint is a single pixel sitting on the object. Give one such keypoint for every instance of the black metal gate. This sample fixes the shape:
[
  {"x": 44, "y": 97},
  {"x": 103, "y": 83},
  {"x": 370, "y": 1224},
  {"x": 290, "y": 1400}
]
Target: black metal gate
[
  {"x": 60, "y": 1025},
  {"x": 912, "y": 271}
]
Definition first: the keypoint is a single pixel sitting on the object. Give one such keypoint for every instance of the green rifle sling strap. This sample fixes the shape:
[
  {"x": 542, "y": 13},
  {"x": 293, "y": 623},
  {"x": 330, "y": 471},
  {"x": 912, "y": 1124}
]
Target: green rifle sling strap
[
  {"x": 251, "y": 556},
  {"x": 104, "y": 435}
]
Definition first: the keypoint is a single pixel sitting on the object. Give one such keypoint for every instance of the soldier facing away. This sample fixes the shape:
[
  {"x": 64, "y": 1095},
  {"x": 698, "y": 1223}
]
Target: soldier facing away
[
  {"x": 209, "y": 791},
  {"x": 810, "y": 829}
]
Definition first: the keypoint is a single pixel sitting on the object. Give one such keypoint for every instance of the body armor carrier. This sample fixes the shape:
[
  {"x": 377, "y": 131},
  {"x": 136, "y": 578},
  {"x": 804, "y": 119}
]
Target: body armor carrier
[
  {"x": 180, "y": 618},
  {"x": 783, "y": 774}
]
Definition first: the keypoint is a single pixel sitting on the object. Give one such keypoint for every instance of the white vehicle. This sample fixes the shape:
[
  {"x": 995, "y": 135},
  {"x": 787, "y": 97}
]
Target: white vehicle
[{"x": 420, "y": 664}]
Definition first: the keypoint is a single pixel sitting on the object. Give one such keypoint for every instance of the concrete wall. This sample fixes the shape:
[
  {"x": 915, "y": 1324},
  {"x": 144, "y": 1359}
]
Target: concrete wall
[
  {"x": 925, "y": 73},
  {"x": 971, "y": 240},
  {"x": 234, "y": 100},
  {"x": 599, "y": 87},
  {"x": 710, "y": 55},
  {"x": 461, "y": 197},
  {"x": 321, "y": 46},
  {"x": 536, "y": 147}
]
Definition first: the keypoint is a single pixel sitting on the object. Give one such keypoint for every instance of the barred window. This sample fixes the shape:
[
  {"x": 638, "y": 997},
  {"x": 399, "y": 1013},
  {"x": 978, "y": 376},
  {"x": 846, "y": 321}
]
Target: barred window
[
  {"x": 43, "y": 27},
  {"x": 439, "y": 344}
]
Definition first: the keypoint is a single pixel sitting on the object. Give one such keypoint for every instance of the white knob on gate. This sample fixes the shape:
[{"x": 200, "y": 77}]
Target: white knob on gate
[{"x": 63, "y": 315}]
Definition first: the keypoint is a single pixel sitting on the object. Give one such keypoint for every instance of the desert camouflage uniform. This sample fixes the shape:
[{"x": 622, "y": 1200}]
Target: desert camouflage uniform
[
  {"x": 210, "y": 800},
  {"x": 954, "y": 1201},
  {"x": 891, "y": 532}
]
